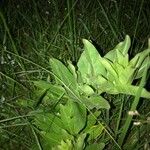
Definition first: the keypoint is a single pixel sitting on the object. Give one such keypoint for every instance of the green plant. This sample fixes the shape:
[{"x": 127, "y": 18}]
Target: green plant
[
  {"x": 75, "y": 95},
  {"x": 38, "y": 30},
  {"x": 114, "y": 73}
]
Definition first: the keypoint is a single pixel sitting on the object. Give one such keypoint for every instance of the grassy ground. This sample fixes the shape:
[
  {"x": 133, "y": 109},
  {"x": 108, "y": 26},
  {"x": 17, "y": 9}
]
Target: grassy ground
[{"x": 31, "y": 32}]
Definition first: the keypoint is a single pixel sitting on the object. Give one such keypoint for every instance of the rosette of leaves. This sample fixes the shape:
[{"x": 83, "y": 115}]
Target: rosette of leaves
[{"x": 114, "y": 73}]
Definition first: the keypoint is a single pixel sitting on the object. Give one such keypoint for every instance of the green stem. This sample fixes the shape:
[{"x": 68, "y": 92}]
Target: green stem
[{"x": 119, "y": 117}]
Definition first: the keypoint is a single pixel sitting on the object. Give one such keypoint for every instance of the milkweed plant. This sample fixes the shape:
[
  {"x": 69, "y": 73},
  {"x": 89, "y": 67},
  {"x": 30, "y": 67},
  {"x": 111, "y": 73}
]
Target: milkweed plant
[{"x": 76, "y": 96}]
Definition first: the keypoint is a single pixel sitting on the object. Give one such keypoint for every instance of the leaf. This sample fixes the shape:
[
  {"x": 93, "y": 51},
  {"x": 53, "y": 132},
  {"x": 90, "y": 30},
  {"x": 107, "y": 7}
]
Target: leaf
[
  {"x": 68, "y": 144},
  {"x": 111, "y": 55},
  {"x": 80, "y": 143},
  {"x": 110, "y": 69},
  {"x": 89, "y": 64},
  {"x": 107, "y": 86},
  {"x": 122, "y": 47},
  {"x": 54, "y": 92},
  {"x": 73, "y": 116},
  {"x": 122, "y": 60},
  {"x": 40, "y": 99},
  {"x": 25, "y": 103},
  {"x": 62, "y": 74},
  {"x": 48, "y": 122},
  {"x": 64, "y": 145},
  {"x": 53, "y": 89},
  {"x": 95, "y": 132},
  {"x": 96, "y": 146},
  {"x": 132, "y": 90},
  {"x": 145, "y": 64},
  {"x": 126, "y": 75},
  {"x": 72, "y": 69},
  {"x": 52, "y": 129},
  {"x": 85, "y": 89},
  {"x": 139, "y": 62},
  {"x": 91, "y": 120},
  {"x": 64, "y": 77},
  {"x": 96, "y": 101}
]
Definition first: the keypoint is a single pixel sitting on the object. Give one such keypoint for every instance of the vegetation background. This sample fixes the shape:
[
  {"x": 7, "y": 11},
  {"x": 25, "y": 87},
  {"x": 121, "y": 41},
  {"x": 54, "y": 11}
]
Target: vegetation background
[{"x": 32, "y": 31}]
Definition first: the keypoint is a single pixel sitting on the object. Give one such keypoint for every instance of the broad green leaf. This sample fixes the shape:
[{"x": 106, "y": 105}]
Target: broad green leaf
[
  {"x": 89, "y": 64},
  {"x": 68, "y": 144},
  {"x": 122, "y": 47},
  {"x": 80, "y": 144},
  {"x": 40, "y": 98},
  {"x": 122, "y": 60},
  {"x": 72, "y": 69},
  {"x": 132, "y": 90},
  {"x": 100, "y": 80},
  {"x": 128, "y": 74},
  {"x": 53, "y": 89},
  {"x": 91, "y": 120},
  {"x": 140, "y": 62},
  {"x": 96, "y": 101},
  {"x": 54, "y": 92},
  {"x": 62, "y": 74},
  {"x": 96, "y": 146},
  {"x": 111, "y": 55},
  {"x": 48, "y": 122},
  {"x": 52, "y": 129},
  {"x": 85, "y": 89},
  {"x": 110, "y": 69},
  {"x": 129, "y": 90},
  {"x": 139, "y": 58},
  {"x": 108, "y": 87},
  {"x": 145, "y": 64},
  {"x": 125, "y": 75},
  {"x": 125, "y": 45},
  {"x": 64, "y": 145},
  {"x": 79, "y": 78},
  {"x": 99, "y": 84},
  {"x": 25, "y": 102},
  {"x": 64, "y": 77},
  {"x": 95, "y": 132},
  {"x": 73, "y": 116},
  {"x": 51, "y": 139}
]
